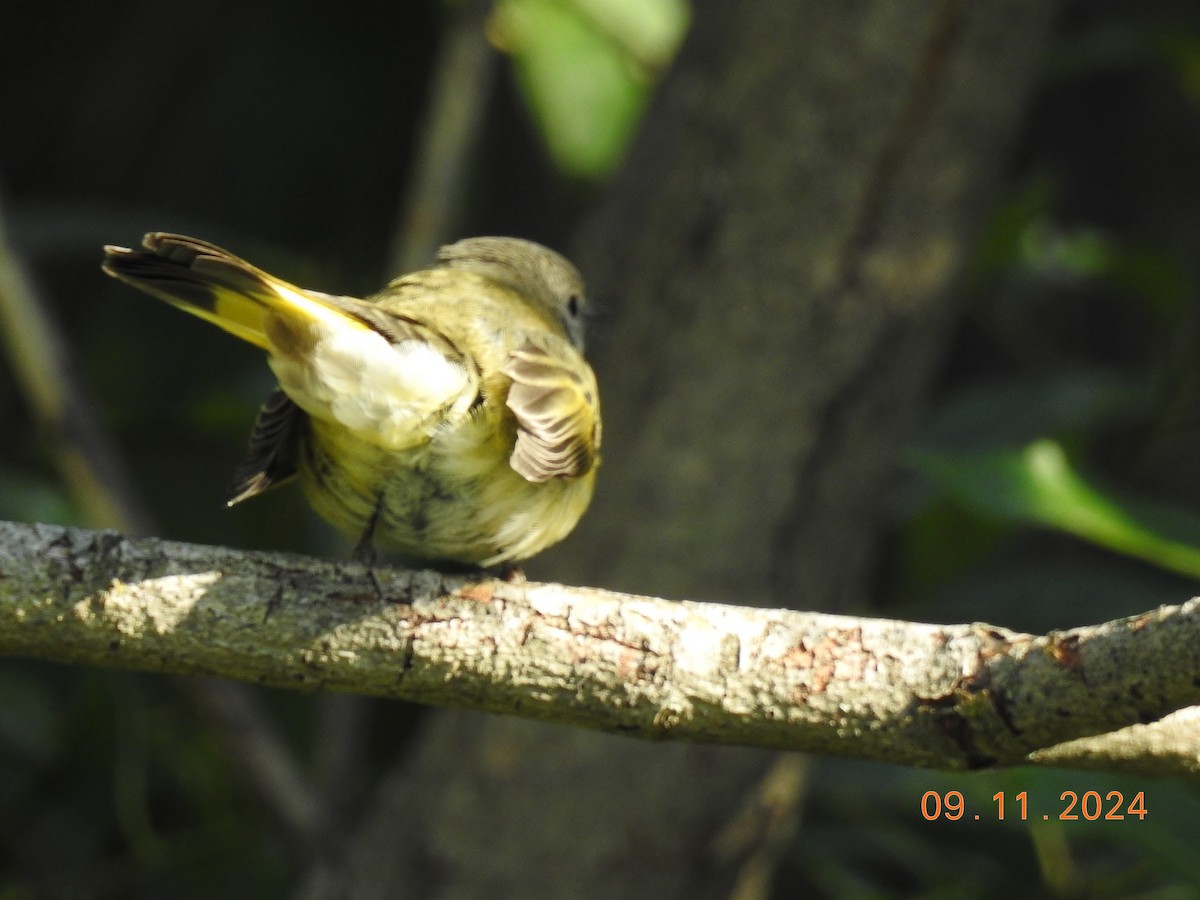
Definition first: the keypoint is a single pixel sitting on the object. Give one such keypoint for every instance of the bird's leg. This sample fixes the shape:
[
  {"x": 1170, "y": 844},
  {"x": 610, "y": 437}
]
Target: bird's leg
[
  {"x": 364, "y": 550},
  {"x": 511, "y": 572}
]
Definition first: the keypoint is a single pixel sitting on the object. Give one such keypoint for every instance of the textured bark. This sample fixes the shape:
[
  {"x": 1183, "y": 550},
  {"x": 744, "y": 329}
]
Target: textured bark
[
  {"x": 782, "y": 257},
  {"x": 951, "y": 696},
  {"x": 779, "y": 261}
]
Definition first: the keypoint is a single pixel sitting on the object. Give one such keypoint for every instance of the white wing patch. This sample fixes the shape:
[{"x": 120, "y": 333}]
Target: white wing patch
[{"x": 385, "y": 392}]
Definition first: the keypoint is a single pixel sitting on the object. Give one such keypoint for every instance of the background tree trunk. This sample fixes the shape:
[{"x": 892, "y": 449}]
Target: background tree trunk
[{"x": 780, "y": 259}]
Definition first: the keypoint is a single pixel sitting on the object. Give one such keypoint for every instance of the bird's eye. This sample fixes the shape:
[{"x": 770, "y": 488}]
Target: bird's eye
[{"x": 573, "y": 306}]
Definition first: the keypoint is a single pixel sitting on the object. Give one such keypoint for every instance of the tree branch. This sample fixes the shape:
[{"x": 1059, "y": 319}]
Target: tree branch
[{"x": 952, "y": 696}]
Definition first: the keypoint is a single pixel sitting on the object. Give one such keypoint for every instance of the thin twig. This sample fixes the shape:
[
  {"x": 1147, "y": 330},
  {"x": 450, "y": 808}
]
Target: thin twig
[
  {"x": 262, "y": 754},
  {"x": 90, "y": 465},
  {"x": 448, "y": 137}
]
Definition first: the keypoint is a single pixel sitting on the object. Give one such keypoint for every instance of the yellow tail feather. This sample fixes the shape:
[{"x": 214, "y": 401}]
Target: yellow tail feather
[{"x": 213, "y": 284}]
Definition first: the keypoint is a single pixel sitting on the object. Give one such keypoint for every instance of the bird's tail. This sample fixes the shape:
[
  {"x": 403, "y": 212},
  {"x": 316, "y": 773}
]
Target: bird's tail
[{"x": 206, "y": 281}]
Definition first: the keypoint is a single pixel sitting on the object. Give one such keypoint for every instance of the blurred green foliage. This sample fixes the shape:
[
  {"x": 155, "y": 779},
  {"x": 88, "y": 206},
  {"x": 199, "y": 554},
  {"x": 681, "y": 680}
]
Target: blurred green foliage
[
  {"x": 1036, "y": 485},
  {"x": 586, "y": 68},
  {"x": 874, "y": 839}
]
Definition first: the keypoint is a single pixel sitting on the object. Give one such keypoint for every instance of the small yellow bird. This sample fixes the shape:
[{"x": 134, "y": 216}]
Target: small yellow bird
[{"x": 450, "y": 417}]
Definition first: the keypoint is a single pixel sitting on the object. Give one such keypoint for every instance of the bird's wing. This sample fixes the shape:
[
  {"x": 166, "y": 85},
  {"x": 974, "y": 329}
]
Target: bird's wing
[
  {"x": 271, "y": 456},
  {"x": 556, "y": 404}
]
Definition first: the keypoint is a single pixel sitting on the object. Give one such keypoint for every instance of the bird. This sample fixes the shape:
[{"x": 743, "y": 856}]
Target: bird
[{"x": 450, "y": 418}]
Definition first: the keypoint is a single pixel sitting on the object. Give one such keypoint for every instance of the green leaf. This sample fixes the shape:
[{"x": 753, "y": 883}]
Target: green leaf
[
  {"x": 586, "y": 69},
  {"x": 1037, "y": 485}
]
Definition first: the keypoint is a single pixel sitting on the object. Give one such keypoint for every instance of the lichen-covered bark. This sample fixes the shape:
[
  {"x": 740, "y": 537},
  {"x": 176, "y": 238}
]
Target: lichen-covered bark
[{"x": 958, "y": 696}]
